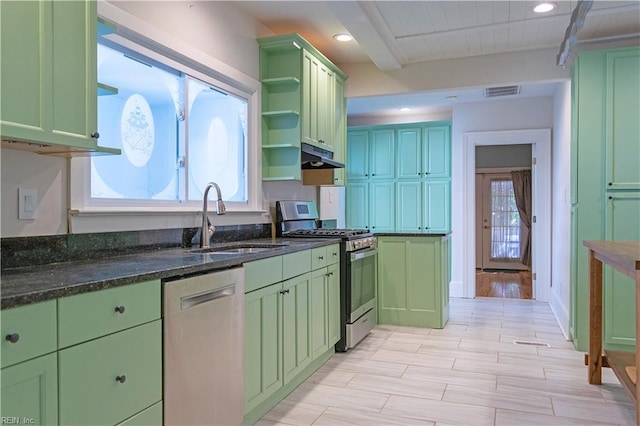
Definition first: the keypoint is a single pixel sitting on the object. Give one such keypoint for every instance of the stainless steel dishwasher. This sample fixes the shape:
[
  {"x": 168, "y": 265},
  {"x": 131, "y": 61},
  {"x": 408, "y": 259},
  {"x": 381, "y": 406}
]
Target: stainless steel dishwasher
[{"x": 203, "y": 349}]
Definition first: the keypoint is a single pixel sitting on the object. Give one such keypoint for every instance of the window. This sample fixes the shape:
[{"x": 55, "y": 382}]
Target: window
[
  {"x": 505, "y": 221},
  {"x": 176, "y": 132}
]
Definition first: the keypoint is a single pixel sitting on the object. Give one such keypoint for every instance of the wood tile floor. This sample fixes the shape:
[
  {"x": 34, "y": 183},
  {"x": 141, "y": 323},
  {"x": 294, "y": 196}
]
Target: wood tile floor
[
  {"x": 515, "y": 285},
  {"x": 469, "y": 373}
]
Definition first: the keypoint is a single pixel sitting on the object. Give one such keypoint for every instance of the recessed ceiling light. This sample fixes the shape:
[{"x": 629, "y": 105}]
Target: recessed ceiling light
[
  {"x": 343, "y": 37},
  {"x": 405, "y": 109},
  {"x": 544, "y": 7},
  {"x": 452, "y": 98}
]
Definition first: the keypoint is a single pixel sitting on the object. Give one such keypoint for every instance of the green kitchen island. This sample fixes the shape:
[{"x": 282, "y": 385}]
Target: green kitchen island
[{"x": 413, "y": 279}]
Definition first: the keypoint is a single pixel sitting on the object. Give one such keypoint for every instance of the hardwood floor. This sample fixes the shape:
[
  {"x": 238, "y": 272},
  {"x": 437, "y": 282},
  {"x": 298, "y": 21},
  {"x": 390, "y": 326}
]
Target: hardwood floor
[
  {"x": 513, "y": 285},
  {"x": 469, "y": 373}
]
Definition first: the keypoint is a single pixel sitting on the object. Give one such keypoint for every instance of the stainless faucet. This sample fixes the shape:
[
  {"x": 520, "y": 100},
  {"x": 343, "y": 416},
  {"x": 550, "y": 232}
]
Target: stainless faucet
[{"x": 208, "y": 229}]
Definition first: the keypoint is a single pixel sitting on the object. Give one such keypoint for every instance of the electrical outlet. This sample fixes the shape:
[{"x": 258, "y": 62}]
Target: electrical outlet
[{"x": 27, "y": 204}]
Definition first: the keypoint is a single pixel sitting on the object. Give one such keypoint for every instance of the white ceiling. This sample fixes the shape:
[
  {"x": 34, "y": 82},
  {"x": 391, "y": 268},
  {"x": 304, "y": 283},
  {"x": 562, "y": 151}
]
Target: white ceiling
[{"x": 394, "y": 34}]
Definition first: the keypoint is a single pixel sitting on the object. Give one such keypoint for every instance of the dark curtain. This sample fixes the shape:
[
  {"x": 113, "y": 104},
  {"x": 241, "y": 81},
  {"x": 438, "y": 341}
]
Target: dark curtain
[{"x": 522, "y": 189}]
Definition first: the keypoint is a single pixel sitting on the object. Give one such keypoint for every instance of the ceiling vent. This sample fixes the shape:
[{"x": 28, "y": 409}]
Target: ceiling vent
[{"x": 492, "y": 92}]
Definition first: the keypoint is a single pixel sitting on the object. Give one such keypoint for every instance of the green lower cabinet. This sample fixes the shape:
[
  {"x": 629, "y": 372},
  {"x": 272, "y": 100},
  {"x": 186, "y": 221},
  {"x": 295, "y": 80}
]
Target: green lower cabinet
[
  {"x": 413, "y": 281},
  {"x": 319, "y": 325},
  {"x": 357, "y": 202},
  {"x": 296, "y": 321},
  {"x": 333, "y": 299},
  {"x": 30, "y": 392},
  {"x": 107, "y": 380},
  {"x": 262, "y": 345},
  {"x": 622, "y": 224}
]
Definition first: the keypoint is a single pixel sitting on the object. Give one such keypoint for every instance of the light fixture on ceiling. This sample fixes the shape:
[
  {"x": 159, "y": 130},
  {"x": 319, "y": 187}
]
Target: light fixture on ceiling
[
  {"x": 452, "y": 98},
  {"x": 405, "y": 109},
  {"x": 343, "y": 37},
  {"x": 544, "y": 7}
]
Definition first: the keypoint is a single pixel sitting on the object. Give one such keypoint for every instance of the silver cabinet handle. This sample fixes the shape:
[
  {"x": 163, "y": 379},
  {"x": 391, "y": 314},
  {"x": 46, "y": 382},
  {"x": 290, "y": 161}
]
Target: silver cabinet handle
[{"x": 198, "y": 299}]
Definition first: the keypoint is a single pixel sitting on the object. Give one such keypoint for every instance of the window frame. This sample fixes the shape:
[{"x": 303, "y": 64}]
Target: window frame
[{"x": 208, "y": 71}]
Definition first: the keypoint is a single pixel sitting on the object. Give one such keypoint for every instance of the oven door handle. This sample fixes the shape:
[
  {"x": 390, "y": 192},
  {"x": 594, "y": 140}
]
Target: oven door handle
[{"x": 363, "y": 254}]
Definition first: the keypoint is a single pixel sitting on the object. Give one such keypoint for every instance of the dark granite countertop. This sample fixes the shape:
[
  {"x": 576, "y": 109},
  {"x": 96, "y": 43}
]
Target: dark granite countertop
[{"x": 31, "y": 284}]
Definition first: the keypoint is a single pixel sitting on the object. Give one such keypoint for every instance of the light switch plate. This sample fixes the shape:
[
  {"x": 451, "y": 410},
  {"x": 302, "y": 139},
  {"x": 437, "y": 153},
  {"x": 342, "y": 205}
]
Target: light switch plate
[{"x": 27, "y": 204}]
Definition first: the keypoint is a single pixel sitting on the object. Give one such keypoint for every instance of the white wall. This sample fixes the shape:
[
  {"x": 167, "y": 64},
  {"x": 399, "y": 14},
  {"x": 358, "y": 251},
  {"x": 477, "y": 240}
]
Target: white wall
[
  {"x": 496, "y": 115},
  {"x": 215, "y": 32},
  {"x": 561, "y": 173}
]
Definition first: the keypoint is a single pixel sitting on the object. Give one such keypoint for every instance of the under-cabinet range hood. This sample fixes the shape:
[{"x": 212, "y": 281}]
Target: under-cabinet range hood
[{"x": 314, "y": 158}]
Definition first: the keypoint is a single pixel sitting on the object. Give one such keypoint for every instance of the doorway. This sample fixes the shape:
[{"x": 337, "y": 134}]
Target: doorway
[
  {"x": 540, "y": 142},
  {"x": 502, "y": 233}
]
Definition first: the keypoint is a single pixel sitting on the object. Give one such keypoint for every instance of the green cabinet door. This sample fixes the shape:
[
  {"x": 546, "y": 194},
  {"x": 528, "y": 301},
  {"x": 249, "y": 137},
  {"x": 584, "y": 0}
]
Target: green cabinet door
[
  {"x": 622, "y": 224},
  {"x": 409, "y": 206},
  {"x": 309, "y": 117},
  {"x": 30, "y": 391},
  {"x": 409, "y": 148},
  {"x": 319, "y": 309},
  {"x": 333, "y": 301},
  {"x": 357, "y": 203},
  {"x": 262, "y": 345},
  {"x": 382, "y": 154},
  {"x": 437, "y": 202},
  {"x": 436, "y": 153},
  {"x": 622, "y": 142},
  {"x": 357, "y": 155},
  {"x": 47, "y": 97},
  {"x": 25, "y": 69},
  {"x": 382, "y": 206},
  {"x": 411, "y": 281},
  {"x": 296, "y": 305},
  {"x": 340, "y": 130}
]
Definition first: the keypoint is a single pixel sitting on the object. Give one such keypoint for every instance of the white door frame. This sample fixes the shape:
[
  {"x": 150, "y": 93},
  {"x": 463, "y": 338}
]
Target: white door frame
[{"x": 540, "y": 140}]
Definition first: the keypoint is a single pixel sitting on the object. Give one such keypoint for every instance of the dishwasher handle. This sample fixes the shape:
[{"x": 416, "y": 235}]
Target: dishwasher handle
[{"x": 198, "y": 299}]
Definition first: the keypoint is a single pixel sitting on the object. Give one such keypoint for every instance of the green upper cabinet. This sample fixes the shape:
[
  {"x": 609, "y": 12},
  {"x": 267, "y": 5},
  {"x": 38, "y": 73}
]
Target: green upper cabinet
[
  {"x": 622, "y": 146},
  {"x": 302, "y": 91},
  {"x": 382, "y": 153},
  {"x": 423, "y": 152},
  {"x": 398, "y": 178},
  {"x": 340, "y": 130},
  {"x": 357, "y": 155},
  {"x": 49, "y": 74},
  {"x": 409, "y": 153},
  {"x": 605, "y": 183}
]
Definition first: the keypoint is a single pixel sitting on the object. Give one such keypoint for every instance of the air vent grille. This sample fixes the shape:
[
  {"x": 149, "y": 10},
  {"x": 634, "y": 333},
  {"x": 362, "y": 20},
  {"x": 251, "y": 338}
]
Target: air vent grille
[{"x": 492, "y": 92}]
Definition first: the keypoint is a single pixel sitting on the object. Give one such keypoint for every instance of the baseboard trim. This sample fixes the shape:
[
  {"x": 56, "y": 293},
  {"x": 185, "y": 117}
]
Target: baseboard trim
[{"x": 456, "y": 289}]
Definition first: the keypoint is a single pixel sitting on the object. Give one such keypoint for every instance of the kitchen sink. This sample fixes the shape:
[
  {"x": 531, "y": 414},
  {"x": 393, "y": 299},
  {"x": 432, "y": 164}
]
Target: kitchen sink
[{"x": 242, "y": 248}]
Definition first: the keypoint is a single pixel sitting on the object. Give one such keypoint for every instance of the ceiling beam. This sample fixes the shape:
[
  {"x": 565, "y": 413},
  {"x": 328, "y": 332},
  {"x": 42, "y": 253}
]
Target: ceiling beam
[{"x": 358, "y": 23}]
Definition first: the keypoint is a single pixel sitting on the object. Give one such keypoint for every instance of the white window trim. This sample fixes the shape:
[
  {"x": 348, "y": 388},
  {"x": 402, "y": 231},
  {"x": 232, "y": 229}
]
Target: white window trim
[{"x": 183, "y": 57}]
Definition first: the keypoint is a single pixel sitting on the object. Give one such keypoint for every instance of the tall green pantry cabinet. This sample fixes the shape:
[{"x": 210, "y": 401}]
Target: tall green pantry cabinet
[
  {"x": 399, "y": 178},
  {"x": 605, "y": 187}
]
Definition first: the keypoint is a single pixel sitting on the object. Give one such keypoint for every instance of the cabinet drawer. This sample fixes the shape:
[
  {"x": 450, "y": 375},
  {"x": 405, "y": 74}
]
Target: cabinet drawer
[
  {"x": 333, "y": 254},
  {"x": 318, "y": 258},
  {"x": 34, "y": 327},
  {"x": 294, "y": 264},
  {"x": 262, "y": 272},
  {"x": 89, "y": 392},
  {"x": 152, "y": 416},
  {"x": 90, "y": 315}
]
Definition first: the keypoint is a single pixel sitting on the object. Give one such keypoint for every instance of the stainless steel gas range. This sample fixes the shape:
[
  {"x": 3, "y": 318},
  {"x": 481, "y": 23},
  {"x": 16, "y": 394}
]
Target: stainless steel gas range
[{"x": 299, "y": 219}]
